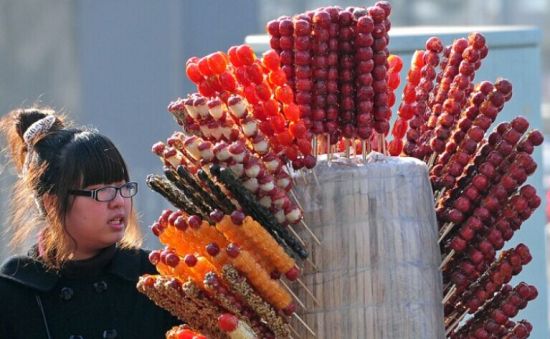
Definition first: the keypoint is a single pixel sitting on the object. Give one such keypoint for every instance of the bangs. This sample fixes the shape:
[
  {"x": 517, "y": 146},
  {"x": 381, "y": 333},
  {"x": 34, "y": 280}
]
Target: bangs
[{"x": 96, "y": 160}]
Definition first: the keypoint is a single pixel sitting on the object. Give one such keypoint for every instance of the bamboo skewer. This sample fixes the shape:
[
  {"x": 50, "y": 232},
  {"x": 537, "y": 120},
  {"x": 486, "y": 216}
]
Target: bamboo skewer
[
  {"x": 308, "y": 291},
  {"x": 303, "y": 223},
  {"x": 301, "y": 303},
  {"x": 304, "y": 324}
]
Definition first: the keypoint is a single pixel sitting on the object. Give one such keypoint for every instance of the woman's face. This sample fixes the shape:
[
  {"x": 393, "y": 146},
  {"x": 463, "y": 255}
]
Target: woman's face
[{"x": 95, "y": 225}]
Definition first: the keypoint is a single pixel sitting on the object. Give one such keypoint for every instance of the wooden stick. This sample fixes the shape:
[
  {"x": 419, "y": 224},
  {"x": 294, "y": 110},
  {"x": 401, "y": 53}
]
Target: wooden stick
[
  {"x": 347, "y": 147},
  {"x": 431, "y": 160},
  {"x": 293, "y": 331},
  {"x": 364, "y": 149},
  {"x": 329, "y": 150},
  {"x": 444, "y": 231},
  {"x": 297, "y": 236},
  {"x": 315, "y": 268},
  {"x": 308, "y": 291},
  {"x": 449, "y": 295},
  {"x": 310, "y": 232},
  {"x": 446, "y": 260},
  {"x": 314, "y": 146},
  {"x": 455, "y": 323},
  {"x": 296, "y": 199},
  {"x": 304, "y": 324},
  {"x": 315, "y": 177},
  {"x": 292, "y": 293}
]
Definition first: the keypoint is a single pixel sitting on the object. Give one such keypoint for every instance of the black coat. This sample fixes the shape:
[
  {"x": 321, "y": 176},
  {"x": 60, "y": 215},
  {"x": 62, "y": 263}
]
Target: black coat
[{"x": 95, "y": 300}]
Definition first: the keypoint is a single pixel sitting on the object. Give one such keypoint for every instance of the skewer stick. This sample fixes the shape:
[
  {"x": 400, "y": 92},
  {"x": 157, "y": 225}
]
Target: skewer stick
[
  {"x": 347, "y": 147},
  {"x": 293, "y": 294},
  {"x": 304, "y": 324},
  {"x": 431, "y": 160},
  {"x": 381, "y": 144},
  {"x": 444, "y": 231},
  {"x": 315, "y": 268},
  {"x": 329, "y": 150},
  {"x": 364, "y": 149},
  {"x": 314, "y": 147},
  {"x": 297, "y": 236},
  {"x": 310, "y": 232},
  {"x": 296, "y": 199},
  {"x": 293, "y": 331},
  {"x": 308, "y": 291},
  {"x": 447, "y": 259},
  {"x": 315, "y": 177},
  {"x": 455, "y": 323},
  {"x": 440, "y": 193},
  {"x": 449, "y": 295}
]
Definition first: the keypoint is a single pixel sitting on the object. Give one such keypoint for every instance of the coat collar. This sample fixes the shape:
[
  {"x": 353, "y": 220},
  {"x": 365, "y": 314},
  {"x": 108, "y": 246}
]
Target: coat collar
[{"x": 30, "y": 272}]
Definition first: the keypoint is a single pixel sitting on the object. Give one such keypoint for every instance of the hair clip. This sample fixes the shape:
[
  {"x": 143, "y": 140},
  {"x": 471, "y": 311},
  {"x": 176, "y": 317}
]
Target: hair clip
[{"x": 38, "y": 128}]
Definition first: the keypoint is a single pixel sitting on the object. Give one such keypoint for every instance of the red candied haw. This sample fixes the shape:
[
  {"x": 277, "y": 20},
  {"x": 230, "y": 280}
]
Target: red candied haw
[
  {"x": 246, "y": 54},
  {"x": 193, "y": 73},
  {"x": 190, "y": 260},
  {"x": 395, "y": 147},
  {"x": 217, "y": 62},
  {"x": 154, "y": 257},
  {"x": 304, "y": 146},
  {"x": 255, "y": 73},
  {"x": 185, "y": 334},
  {"x": 216, "y": 215},
  {"x": 194, "y": 221},
  {"x": 391, "y": 99},
  {"x": 434, "y": 44},
  {"x": 271, "y": 107},
  {"x": 172, "y": 259},
  {"x": 418, "y": 59},
  {"x": 291, "y": 153},
  {"x": 204, "y": 67},
  {"x": 214, "y": 83},
  {"x": 393, "y": 81},
  {"x": 292, "y": 112},
  {"x": 272, "y": 28},
  {"x": 266, "y": 128},
  {"x": 535, "y": 138},
  {"x": 271, "y": 60},
  {"x": 293, "y": 273},
  {"x": 297, "y": 129},
  {"x": 180, "y": 223},
  {"x": 233, "y": 250},
  {"x": 228, "y": 82},
  {"x": 309, "y": 161},
  {"x": 277, "y": 77},
  {"x": 284, "y": 94},
  {"x": 205, "y": 89},
  {"x": 228, "y": 322},
  {"x": 233, "y": 57},
  {"x": 399, "y": 128},
  {"x": 263, "y": 91},
  {"x": 284, "y": 138},
  {"x": 251, "y": 95},
  {"x": 278, "y": 123},
  {"x": 237, "y": 217},
  {"x": 242, "y": 77}
]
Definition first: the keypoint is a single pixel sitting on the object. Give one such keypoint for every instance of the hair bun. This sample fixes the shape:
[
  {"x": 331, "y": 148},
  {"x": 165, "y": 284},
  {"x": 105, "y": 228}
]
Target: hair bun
[{"x": 33, "y": 123}]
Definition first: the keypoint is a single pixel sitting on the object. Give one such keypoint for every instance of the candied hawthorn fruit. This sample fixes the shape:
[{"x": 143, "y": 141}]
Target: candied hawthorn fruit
[
  {"x": 271, "y": 60},
  {"x": 193, "y": 73},
  {"x": 246, "y": 54},
  {"x": 217, "y": 62}
]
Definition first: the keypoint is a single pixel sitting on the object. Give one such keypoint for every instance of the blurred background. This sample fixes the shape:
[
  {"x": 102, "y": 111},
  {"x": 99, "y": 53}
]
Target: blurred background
[{"x": 116, "y": 64}]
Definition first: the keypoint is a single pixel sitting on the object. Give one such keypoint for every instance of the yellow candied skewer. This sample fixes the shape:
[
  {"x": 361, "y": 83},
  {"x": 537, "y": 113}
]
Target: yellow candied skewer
[
  {"x": 268, "y": 288},
  {"x": 235, "y": 235},
  {"x": 266, "y": 245}
]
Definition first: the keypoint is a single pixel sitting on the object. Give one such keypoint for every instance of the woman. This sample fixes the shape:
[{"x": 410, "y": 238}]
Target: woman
[{"x": 78, "y": 281}]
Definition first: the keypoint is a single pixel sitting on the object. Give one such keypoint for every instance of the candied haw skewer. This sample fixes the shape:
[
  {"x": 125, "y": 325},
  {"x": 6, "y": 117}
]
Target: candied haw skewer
[
  {"x": 235, "y": 235},
  {"x": 381, "y": 109},
  {"x": 409, "y": 109},
  {"x": 502, "y": 307},
  {"x": 262, "y": 241},
  {"x": 346, "y": 75},
  {"x": 322, "y": 33},
  {"x": 269, "y": 289},
  {"x": 329, "y": 74},
  {"x": 365, "y": 73},
  {"x": 286, "y": 44}
]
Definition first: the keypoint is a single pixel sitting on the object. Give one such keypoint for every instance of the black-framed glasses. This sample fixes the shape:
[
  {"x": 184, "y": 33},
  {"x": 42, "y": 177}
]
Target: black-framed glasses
[{"x": 108, "y": 193}]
